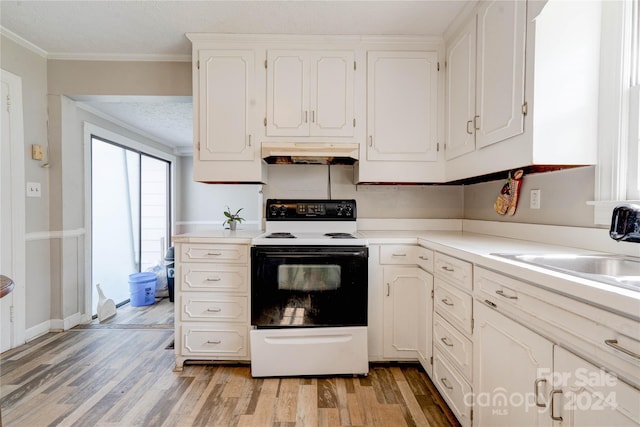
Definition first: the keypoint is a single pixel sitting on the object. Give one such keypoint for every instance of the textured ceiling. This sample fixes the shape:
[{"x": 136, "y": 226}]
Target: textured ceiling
[{"x": 156, "y": 30}]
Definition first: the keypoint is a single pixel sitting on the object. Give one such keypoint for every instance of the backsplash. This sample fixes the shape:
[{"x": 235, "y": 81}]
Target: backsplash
[
  {"x": 374, "y": 201},
  {"x": 563, "y": 199}
]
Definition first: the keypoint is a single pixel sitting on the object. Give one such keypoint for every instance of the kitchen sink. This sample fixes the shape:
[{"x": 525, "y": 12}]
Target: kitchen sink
[{"x": 618, "y": 270}]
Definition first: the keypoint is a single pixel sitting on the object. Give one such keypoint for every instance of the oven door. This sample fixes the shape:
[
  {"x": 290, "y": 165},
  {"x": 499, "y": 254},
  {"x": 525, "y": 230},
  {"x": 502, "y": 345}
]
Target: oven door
[{"x": 308, "y": 286}]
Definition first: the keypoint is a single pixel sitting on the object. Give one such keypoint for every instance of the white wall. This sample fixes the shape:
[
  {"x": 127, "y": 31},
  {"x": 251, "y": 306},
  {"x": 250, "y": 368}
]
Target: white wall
[
  {"x": 200, "y": 206},
  {"x": 564, "y": 196}
]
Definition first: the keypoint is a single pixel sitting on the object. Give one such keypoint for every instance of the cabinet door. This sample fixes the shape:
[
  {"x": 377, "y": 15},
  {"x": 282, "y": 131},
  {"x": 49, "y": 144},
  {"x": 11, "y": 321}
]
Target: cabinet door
[
  {"x": 402, "y": 98},
  {"x": 585, "y": 395},
  {"x": 331, "y": 94},
  {"x": 407, "y": 313},
  {"x": 287, "y": 93},
  {"x": 226, "y": 80},
  {"x": 461, "y": 93},
  {"x": 500, "y": 71},
  {"x": 509, "y": 360}
]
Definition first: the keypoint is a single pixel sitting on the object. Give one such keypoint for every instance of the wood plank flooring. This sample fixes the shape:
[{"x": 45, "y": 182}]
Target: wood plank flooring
[{"x": 121, "y": 374}]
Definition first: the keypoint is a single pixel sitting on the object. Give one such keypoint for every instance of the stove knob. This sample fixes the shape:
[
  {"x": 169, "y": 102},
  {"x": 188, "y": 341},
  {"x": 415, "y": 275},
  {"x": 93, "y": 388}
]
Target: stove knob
[
  {"x": 283, "y": 210},
  {"x": 348, "y": 211},
  {"x": 273, "y": 211}
]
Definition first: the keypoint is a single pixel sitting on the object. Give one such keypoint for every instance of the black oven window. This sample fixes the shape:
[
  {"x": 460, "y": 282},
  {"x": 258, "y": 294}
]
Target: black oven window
[{"x": 308, "y": 277}]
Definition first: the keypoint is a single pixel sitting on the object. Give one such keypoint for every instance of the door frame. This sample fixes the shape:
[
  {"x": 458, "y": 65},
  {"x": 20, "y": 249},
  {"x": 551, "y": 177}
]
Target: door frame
[
  {"x": 18, "y": 221},
  {"x": 92, "y": 129}
]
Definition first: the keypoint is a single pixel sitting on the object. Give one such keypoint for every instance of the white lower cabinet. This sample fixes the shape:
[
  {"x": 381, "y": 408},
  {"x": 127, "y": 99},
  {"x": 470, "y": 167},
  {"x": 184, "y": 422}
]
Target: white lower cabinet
[
  {"x": 212, "y": 303},
  {"x": 512, "y": 367},
  {"x": 407, "y": 313},
  {"x": 585, "y": 395},
  {"x": 401, "y": 304},
  {"x": 455, "y": 390}
]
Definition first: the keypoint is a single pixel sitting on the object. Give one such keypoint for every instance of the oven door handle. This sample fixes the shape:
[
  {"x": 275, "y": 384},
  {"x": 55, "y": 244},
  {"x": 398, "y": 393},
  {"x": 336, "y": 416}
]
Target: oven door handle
[{"x": 360, "y": 253}]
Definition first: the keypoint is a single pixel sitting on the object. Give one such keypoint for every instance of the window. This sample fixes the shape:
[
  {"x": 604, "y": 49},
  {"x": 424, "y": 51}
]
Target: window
[
  {"x": 617, "y": 177},
  {"x": 633, "y": 189}
]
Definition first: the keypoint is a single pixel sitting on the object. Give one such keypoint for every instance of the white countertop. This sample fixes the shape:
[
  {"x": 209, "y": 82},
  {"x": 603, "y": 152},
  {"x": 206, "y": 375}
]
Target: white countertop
[{"x": 477, "y": 248}]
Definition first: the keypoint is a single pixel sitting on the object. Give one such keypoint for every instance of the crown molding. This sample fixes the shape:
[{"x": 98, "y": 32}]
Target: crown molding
[
  {"x": 120, "y": 57},
  {"x": 23, "y": 42}
]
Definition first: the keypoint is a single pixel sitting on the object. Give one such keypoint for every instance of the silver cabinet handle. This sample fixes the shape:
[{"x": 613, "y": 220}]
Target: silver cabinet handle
[
  {"x": 536, "y": 391},
  {"x": 446, "y": 342},
  {"x": 313, "y": 116},
  {"x": 470, "y": 132},
  {"x": 449, "y": 269},
  {"x": 551, "y": 412},
  {"x": 214, "y": 253},
  {"x": 502, "y": 294},
  {"x": 388, "y": 289},
  {"x": 213, "y": 279},
  {"x": 614, "y": 344},
  {"x": 446, "y": 302},
  {"x": 249, "y": 140},
  {"x": 306, "y": 116},
  {"x": 444, "y": 383},
  {"x": 370, "y": 140},
  {"x": 214, "y": 310},
  {"x": 475, "y": 122},
  {"x": 425, "y": 258},
  {"x": 398, "y": 254},
  {"x": 214, "y": 342}
]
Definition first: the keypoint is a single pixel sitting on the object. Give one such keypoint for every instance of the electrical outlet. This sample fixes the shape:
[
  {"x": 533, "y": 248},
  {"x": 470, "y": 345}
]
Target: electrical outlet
[
  {"x": 33, "y": 189},
  {"x": 535, "y": 199}
]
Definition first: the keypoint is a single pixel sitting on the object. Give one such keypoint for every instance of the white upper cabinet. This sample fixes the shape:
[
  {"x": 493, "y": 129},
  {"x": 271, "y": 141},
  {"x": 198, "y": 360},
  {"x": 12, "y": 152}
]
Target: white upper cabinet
[
  {"x": 226, "y": 112},
  {"x": 536, "y": 87},
  {"x": 402, "y": 101},
  {"x": 461, "y": 92},
  {"x": 225, "y": 96},
  {"x": 310, "y": 93},
  {"x": 500, "y": 71},
  {"x": 485, "y": 78}
]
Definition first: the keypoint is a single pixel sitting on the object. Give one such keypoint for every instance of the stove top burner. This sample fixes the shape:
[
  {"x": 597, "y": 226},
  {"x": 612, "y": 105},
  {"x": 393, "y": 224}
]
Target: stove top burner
[
  {"x": 340, "y": 235},
  {"x": 280, "y": 235}
]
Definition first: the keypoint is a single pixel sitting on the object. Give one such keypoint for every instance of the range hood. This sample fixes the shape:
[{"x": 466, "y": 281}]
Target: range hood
[{"x": 310, "y": 153}]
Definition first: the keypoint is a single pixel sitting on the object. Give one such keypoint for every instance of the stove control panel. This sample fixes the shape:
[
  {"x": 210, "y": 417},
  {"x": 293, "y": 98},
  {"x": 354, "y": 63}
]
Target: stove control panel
[{"x": 310, "y": 210}]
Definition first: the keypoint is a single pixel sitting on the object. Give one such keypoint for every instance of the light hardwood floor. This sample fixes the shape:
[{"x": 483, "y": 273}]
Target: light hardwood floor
[{"x": 120, "y": 373}]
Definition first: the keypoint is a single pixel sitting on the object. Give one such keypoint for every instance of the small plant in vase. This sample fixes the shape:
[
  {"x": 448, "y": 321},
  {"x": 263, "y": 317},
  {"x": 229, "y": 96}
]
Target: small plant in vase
[{"x": 232, "y": 218}]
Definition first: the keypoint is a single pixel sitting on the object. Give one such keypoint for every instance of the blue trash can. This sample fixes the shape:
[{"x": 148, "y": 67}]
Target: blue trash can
[{"x": 142, "y": 288}]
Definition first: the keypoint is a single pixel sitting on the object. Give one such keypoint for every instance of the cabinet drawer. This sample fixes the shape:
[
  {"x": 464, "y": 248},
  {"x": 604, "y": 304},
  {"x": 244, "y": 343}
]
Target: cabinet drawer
[
  {"x": 454, "y": 305},
  {"x": 407, "y": 255},
  {"x": 214, "y": 340},
  {"x": 453, "y": 270},
  {"x": 229, "y": 254},
  {"x": 455, "y": 390},
  {"x": 208, "y": 306},
  {"x": 425, "y": 259},
  {"x": 457, "y": 347},
  {"x": 196, "y": 277}
]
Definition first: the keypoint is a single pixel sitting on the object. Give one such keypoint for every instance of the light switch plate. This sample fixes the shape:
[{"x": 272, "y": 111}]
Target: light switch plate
[{"x": 33, "y": 189}]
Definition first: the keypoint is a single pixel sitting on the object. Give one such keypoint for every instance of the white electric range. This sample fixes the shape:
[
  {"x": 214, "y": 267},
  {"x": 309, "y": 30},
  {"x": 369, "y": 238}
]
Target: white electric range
[{"x": 309, "y": 289}]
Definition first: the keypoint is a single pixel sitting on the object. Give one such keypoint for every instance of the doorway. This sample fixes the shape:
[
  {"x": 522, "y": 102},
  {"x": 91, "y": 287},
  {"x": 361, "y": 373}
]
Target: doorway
[
  {"x": 130, "y": 215},
  {"x": 12, "y": 213}
]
